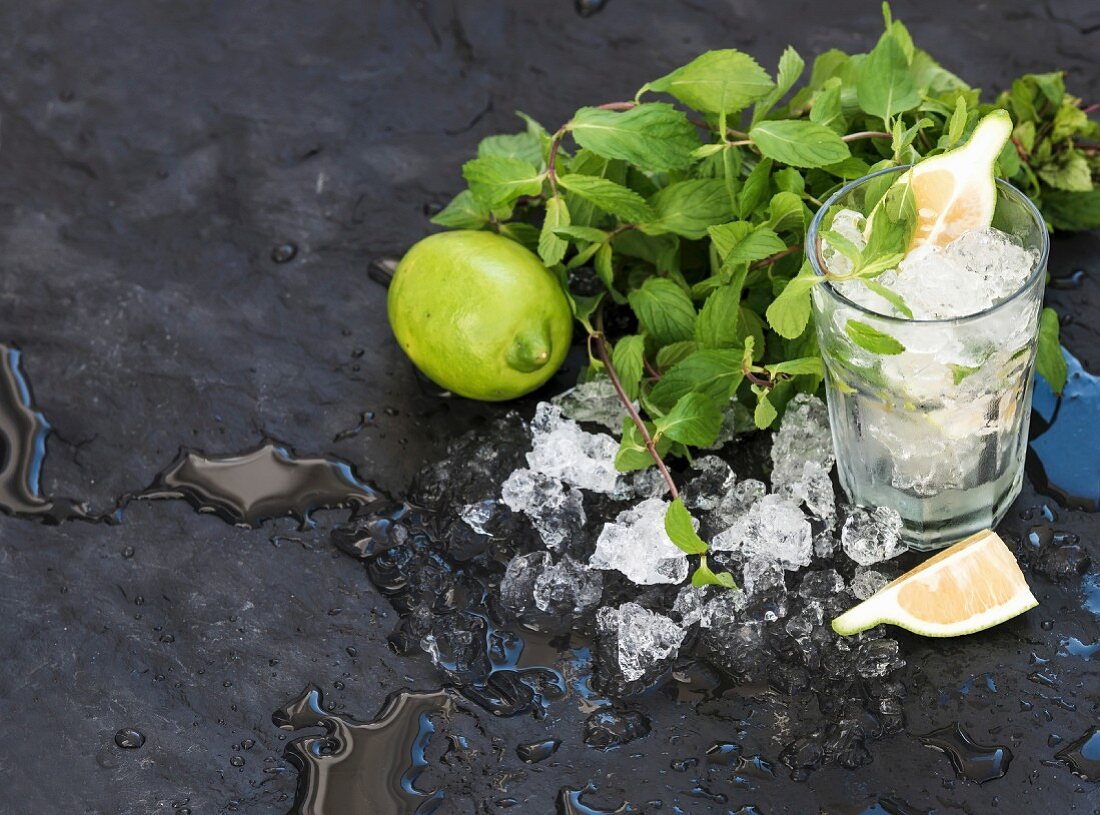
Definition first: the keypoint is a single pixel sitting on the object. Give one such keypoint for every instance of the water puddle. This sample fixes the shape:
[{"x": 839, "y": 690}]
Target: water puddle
[
  {"x": 268, "y": 482},
  {"x": 570, "y": 803},
  {"x": 971, "y": 760},
  {"x": 1066, "y": 447},
  {"x": 23, "y": 433},
  {"x": 1083, "y": 755},
  {"x": 363, "y": 769}
]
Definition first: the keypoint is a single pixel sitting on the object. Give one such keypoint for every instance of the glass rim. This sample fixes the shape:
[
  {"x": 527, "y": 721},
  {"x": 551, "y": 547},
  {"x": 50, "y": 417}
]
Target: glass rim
[{"x": 1012, "y": 191}]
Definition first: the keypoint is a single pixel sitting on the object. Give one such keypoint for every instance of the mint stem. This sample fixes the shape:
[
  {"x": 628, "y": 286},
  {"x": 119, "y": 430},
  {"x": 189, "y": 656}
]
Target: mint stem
[{"x": 601, "y": 350}]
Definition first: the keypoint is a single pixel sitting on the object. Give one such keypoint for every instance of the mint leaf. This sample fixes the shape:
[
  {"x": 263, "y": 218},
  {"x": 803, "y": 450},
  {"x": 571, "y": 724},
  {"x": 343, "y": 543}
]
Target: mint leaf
[
  {"x": 680, "y": 528},
  {"x": 725, "y": 81},
  {"x": 1050, "y": 363},
  {"x": 871, "y": 339},
  {"x": 791, "y": 66},
  {"x": 654, "y": 136},
  {"x": 714, "y": 373},
  {"x": 786, "y": 213},
  {"x": 675, "y": 352},
  {"x": 693, "y": 420},
  {"x": 605, "y": 268},
  {"x": 1072, "y": 211},
  {"x": 687, "y": 208},
  {"x": 798, "y": 367},
  {"x": 789, "y": 313},
  {"x": 610, "y": 197},
  {"x": 627, "y": 356},
  {"x": 632, "y": 453},
  {"x": 736, "y": 244},
  {"x": 703, "y": 576},
  {"x": 961, "y": 372},
  {"x": 765, "y": 412},
  {"x": 1070, "y": 172},
  {"x": 885, "y": 86},
  {"x": 552, "y": 248},
  {"x": 526, "y": 147},
  {"x": 755, "y": 189},
  {"x": 799, "y": 143},
  {"x": 716, "y": 326},
  {"x": 892, "y": 297},
  {"x": 498, "y": 180},
  {"x": 464, "y": 212},
  {"x": 581, "y": 233},
  {"x": 827, "y": 110},
  {"x": 664, "y": 310}
]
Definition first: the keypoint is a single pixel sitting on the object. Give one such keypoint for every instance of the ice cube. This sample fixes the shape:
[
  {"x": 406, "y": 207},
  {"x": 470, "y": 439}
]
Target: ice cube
[
  {"x": 803, "y": 436},
  {"x": 714, "y": 478},
  {"x": 636, "y": 544},
  {"x": 477, "y": 515},
  {"x": 517, "y": 587},
  {"x": 821, "y": 585},
  {"x": 644, "y": 637},
  {"x": 560, "y": 449},
  {"x": 556, "y": 511},
  {"x": 567, "y": 587},
  {"x": 763, "y": 576},
  {"x": 647, "y": 483},
  {"x": 708, "y": 605},
  {"x": 774, "y": 529},
  {"x": 866, "y": 582},
  {"x": 813, "y": 488},
  {"x": 737, "y": 501},
  {"x": 594, "y": 402},
  {"x": 870, "y": 537}
]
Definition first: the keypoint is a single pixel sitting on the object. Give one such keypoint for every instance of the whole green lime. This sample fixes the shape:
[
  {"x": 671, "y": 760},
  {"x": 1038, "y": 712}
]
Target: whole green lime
[{"x": 479, "y": 314}]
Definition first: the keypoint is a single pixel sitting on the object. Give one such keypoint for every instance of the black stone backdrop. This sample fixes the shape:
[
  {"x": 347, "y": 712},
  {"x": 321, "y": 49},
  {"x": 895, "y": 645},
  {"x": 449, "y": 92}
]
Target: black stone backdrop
[{"x": 155, "y": 160}]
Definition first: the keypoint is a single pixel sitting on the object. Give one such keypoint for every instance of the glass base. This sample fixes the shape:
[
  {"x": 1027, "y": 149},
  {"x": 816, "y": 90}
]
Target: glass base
[{"x": 934, "y": 522}]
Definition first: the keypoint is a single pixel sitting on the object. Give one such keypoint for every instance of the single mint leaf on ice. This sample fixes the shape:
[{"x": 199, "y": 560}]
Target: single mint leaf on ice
[
  {"x": 1049, "y": 360},
  {"x": 799, "y": 143},
  {"x": 725, "y": 81},
  {"x": 789, "y": 313},
  {"x": 694, "y": 420},
  {"x": 499, "y": 180},
  {"x": 687, "y": 208},
  {"x": 704, "y": 576},
  {"x": 885, "y": 86},
  {"x": 680, "y": 528},
  {"x": 765, "y": 412},
  {"x": 552, "y": 248},
  {"x": 610, "y": 197},
  {"x": 653, "y": 136},
  {"x": 627, "y": 357},
  {"x": 664, "y": 310},
  {"x": 871, "y": 339}
]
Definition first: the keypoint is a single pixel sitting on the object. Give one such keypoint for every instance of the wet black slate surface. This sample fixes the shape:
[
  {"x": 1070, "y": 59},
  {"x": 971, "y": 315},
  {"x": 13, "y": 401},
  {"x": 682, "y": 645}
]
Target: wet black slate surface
[{"x": 153, "y": 157}]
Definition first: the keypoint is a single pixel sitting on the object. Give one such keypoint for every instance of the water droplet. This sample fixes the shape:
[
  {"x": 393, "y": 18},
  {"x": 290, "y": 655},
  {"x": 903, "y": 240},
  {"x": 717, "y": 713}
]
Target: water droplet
[
  {"x": 236, "y": 761},
  {"x": 536, "y": 751},
  {"x": 128, "y": 552},
  {"x": 129, "y": 739},
  {"x": 248, "y": 744},
  {"x": 569, "y": 803},
  {"x": 1047, "y": 625},
  {"x": 971, "y": 760},
  {"x": 381, "y": 270},
  {"x": 284, "y": 252},
  {"x": 1083, "y": 755},
  {"x": 586, "y": 8}
]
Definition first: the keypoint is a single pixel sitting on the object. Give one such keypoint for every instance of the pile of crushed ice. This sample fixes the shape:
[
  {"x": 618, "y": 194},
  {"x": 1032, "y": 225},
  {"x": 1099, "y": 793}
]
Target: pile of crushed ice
[
  {"x": 977, "y": 270},
  {"x": 764, "y": 538}
]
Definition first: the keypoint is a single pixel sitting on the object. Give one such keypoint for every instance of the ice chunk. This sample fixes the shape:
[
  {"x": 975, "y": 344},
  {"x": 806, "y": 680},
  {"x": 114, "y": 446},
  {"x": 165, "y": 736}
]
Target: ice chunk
[
  {"x": 708, "y": 605},
  {"x": 567, "y": 588},
  {"x": 594, "y": 402},
  {"x": 648, "y": 483},
  {"x": 556, "y": 511},
  {"x": 636, "y": 544},
  {"x": 773, "y": 529},
  {"x": 803, "y": 436},
  {"x": 517, "y": 587},
  {"x": 737, "y": 502},
  {"x": 813, "y": 489},
  {"x": 644, "y": 638},
  {"x": 713, "y": 481},
  {"x": 866, "y": 582},
  {"x": 479, "y": 514},
  {"x": 560, "y": 449},
  {"x": 821, "y": 585},
  {"x": 870, "y": 537},
  {"x": 763, "y": 576}
]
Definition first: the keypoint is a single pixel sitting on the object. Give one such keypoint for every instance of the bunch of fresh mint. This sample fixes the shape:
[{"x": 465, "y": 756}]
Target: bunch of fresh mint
[{"x": 686, "y": 223}]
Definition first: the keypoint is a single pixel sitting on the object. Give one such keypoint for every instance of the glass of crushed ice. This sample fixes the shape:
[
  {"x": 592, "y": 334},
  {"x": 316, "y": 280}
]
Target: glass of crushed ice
[{"x": 933, "y": 421}]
